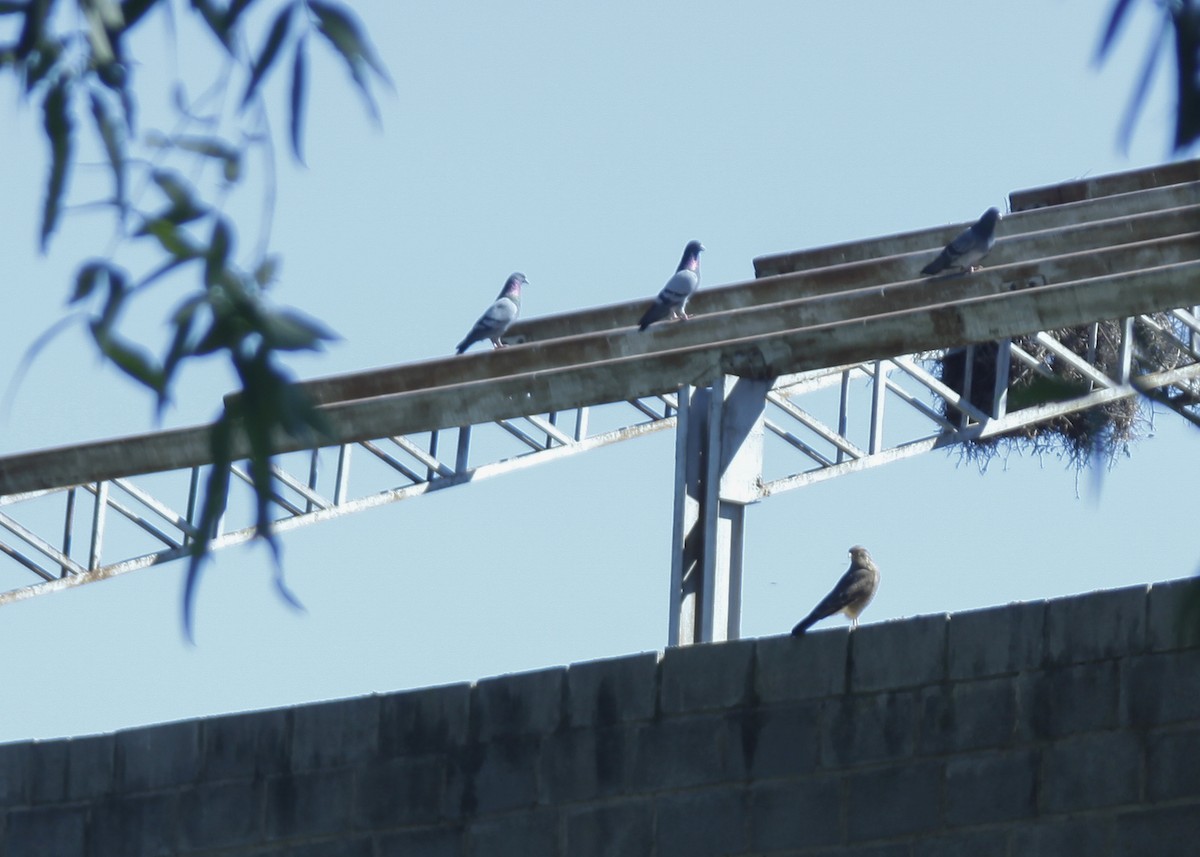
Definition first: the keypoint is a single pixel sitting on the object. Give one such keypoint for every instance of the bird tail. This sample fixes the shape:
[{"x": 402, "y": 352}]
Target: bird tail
[
  {"x": 804, "y": 624},
  {"x": 657, "y": 310},
  {"x": 462, "y": 346},
  {"x": 935, "y": 266}
]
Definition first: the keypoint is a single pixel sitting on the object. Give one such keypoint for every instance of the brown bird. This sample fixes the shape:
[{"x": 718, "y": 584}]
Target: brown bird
[{"x": 852, "y": 593}]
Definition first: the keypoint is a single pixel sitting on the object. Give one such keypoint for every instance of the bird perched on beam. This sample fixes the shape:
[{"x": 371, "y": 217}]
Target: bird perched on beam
[
  {"x": 672, "y": 300},
  {"x": 852, "y": 593},
  {"x": 496, "y": 319},
  {"x": 968, "y": 246}
]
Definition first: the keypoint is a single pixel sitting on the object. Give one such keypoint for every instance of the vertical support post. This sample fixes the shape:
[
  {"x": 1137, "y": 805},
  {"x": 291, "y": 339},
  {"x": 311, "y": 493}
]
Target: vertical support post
[
  {"x": 98, "y": 526},
  {"x": 843, "y": 413},
  {"x": 581, "y": 423},
  {"x": 718, "y": 472},
  {"x": 968, "y": 378},
  {"x": 68, "y": 529},
  {"x": 313, "y": 467},
  {"x": 342, "y": 479},
  {"x": 1125, "y": 369},
  {"x": 463, "y": 453},
  {"x": 433, "y": 451},
  {"x": 878, "y": 392},
  {"x": 193, "y": 496},
  {"x": 1003, "y": 366}
]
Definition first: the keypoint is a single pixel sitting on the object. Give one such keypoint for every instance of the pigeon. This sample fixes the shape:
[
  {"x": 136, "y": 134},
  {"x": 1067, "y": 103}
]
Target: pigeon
[
  {"x": 852, "y": 593},
  {"x": 499, "y": 316},
  {"x": 968, "y": 247},
  {"x": 672, "y": 300}
]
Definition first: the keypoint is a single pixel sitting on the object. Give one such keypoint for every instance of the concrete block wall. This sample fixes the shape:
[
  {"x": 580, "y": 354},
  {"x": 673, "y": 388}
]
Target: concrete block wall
[{"x": 1067, "y": 727}]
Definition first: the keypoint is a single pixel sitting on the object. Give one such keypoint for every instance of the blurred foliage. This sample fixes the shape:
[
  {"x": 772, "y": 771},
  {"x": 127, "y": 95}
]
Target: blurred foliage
[
  {"x": 74, "y": 60},
  {"x": 1180, "y": 29}
]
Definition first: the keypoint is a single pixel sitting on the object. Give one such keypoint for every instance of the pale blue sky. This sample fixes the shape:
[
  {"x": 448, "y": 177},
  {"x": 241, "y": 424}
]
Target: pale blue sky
[{"x": 584, "y": 144}]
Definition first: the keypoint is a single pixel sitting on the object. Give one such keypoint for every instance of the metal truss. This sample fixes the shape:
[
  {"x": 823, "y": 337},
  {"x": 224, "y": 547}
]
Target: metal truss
[
  {"x": 819, "y": 424},
  {"x": 923, "y": 413},
  {"x": 67, "y": 536}
]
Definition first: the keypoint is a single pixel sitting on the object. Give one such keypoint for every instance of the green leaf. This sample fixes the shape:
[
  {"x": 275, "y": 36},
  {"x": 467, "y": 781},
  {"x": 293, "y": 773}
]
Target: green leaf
[
  {"x": 172, "y": 238},
  {"x": 299, "y": 97},
  {"x": 344, "y": 34},
  {"x": 88, "y": 278},
  {"x": 114, "y": 147},
  {"x": 275, "y": 38},
  {"x": 1186, "y": 18},
  {"x": 129, "y": 358},
  {"x": 177, "y": 190},
  {"x": 217, "y": 256},
  {"x": 57, "y": 122},
  {"x": 1114, "y": 25},
  {"x": 291, "y": 330},
  {"x": 267, "y": 271},
  {"x": 234, "y": 12},
  {"x": 216, "y": 494}
]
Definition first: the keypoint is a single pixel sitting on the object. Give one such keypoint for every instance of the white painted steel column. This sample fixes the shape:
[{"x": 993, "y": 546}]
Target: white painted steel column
[{"x": 718, "y": 472}]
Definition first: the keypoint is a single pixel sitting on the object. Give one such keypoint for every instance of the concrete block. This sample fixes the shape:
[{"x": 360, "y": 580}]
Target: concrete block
[
  {"x": 1096, "y": 626},
  {"x": 782, "y": 741},
  {"x": 156, "y": 757},
  {"x": 310, "y": 804},
  {"x": 1076, "y": 837},
  {"x": 423, "y": 842},
  {"x": 682, "y": 753},
  {"x": 893, "y": 655},
  {"x": 796, "y": 814},
  {"x": 991, "y": 788},
  {"x": 585, "y": 764},
  {"x": 615, "y": 830},
  {"x": 1173, "y": 765},
  {"x": 996, "y": 641},
  {"x": 1174, "y": 615},
  {"x": 896, "y": 849},
  {"x": 334, "y": 734},
  {"x": 706, "y": 677},
  {"x": 1167, "y": 832},
  {"x": 423, "y": 721},
  {"x": 894, "y": 801},
  {"x": 977, "y": 843},
  {"x": 868, "y": 728},
  {"x": 338, "y": 846},
  {"x": 702, "y": 824},
  {"x": 974, "y": 715},
  {"x": 1162, "y": 688},
  {"x": 1067, "y": 700},
  {"x": 221, "y": 816},
  {"x": 45, "y": 831},
  {"x": 91, "y": 766},
  {"x": 529, "y": 834},
  {"x": 494, "y": 776},
  {"x": 520, "y": 704},
  {"x": 790, "y": 668},
  {"x": 1090, "y": 772},
  {"x": 400, "y": 793},
  {"x": 48, "y": 771},
  {"x": 15, "y": 774},
  {"x": 619, "y": 690},
  {"x": 243, "y": 746},
  {"x": 142, "y": 826}
]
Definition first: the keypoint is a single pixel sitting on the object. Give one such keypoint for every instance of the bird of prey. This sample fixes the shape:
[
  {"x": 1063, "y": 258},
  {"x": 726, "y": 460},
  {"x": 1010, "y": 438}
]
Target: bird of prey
[
  {"x": 672, "y": 300},
  {"x": 968, "y": 246},
  {"x": 852, "y": 593},
  {"x": 498, "y": 317}
]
